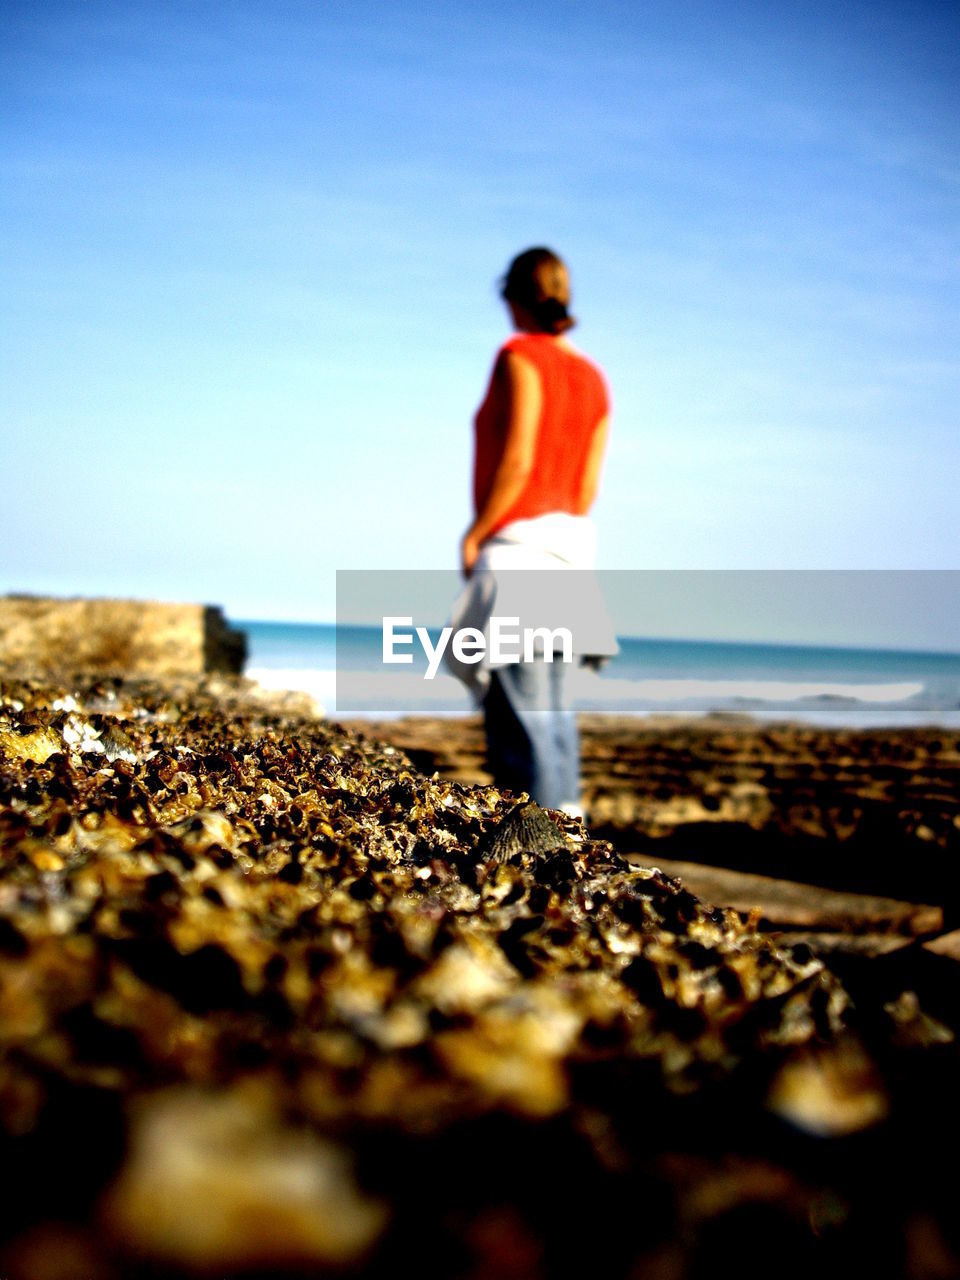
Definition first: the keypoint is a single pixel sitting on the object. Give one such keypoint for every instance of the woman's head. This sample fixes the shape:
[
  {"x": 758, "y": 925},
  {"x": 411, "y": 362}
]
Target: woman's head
[{"x": 537, "y": 290}]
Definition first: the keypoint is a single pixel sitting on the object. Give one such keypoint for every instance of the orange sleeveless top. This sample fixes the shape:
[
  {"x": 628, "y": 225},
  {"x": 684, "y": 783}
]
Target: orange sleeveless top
[{"x": 575, "y": 401}]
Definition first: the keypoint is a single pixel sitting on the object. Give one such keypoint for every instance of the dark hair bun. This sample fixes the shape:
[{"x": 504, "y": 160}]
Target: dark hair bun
[{"x": 552, "y": 315}]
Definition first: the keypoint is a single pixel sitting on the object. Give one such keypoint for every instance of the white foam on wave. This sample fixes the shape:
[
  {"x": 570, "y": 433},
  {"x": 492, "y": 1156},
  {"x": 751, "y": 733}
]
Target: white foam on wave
[
  {"x": 400, "y": 693},
  {"x": 370, "y": 694},
  {"x": 320, "y": 685},
  {"x": 684, "y": 691}
]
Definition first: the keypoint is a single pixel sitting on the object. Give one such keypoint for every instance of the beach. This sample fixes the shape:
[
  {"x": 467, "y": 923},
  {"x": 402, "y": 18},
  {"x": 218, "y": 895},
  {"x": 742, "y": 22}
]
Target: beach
[
  {"x": 283, "y": 997},
  {"x": 353, "y": 353}
]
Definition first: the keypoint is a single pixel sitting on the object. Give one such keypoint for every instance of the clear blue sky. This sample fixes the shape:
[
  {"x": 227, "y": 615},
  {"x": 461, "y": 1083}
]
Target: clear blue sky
[{"x": 249, "y": 257}]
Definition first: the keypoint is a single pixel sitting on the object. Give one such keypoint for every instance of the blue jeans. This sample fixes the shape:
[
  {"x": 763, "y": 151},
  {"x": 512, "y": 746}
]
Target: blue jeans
[{"x": 532, "y": 739}]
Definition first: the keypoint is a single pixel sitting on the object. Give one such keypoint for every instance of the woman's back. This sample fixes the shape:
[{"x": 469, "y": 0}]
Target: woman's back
[{"x": 574, "y": 401}]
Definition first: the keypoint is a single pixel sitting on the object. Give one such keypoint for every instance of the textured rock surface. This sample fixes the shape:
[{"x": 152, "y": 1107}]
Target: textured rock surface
[
  {"x": 867, "y": 811},
  {"x": 41, "y": 635},
  {"x": 271, "y": 1008}
]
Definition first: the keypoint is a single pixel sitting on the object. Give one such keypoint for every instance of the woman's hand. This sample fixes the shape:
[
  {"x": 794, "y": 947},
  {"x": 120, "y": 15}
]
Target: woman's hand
[{"x": 469, "y": 550}]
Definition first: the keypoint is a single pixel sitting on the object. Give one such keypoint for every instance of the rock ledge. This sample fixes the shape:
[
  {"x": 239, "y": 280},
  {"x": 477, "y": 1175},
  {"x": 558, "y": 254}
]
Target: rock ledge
[{"x": 44, "y": 636}]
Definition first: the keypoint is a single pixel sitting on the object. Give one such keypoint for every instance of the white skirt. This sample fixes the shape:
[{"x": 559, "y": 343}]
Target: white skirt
[{"x": 538, "y": 574}]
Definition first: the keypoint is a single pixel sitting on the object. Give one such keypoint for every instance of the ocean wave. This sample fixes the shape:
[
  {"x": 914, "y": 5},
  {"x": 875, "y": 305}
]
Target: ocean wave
[
  {"x": 399, "y": 693},
  {"x": 739, "y": 690}
]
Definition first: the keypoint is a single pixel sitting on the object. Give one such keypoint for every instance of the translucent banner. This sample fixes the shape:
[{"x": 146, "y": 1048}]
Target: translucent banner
[{"x": 838, "y": 648}]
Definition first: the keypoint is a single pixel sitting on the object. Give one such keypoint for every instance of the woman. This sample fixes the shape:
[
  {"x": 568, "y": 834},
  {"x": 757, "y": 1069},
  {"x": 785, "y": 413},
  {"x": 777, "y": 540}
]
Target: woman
[{"x": 541, "y": 433}]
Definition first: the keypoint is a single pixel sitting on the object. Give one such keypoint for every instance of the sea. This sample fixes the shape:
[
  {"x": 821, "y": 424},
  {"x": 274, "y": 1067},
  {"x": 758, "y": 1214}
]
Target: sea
[{"x": 832, "y": 687}]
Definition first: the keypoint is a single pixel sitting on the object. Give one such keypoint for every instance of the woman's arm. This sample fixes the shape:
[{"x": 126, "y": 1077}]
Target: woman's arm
[
  {"x": 594, "y": 463},
  {"x": 519, "y": 399}
]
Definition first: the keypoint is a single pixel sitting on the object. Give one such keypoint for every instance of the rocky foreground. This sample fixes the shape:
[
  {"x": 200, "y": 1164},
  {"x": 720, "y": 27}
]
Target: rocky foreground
[
  {"x": 273, "y": 1003},
  {"x": 875, "y": 811}
]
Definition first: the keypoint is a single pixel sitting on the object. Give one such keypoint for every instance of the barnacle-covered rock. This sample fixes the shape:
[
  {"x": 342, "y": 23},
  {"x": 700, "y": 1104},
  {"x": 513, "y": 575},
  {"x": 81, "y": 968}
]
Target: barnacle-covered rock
[
  {"x": 24, "y": 742},
  {"x": 217, "y": 1181},
  {"x": 829, "y": 1092},
  {"x": 197, "y": 892},
  {"x": 525, "y": 829}
]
